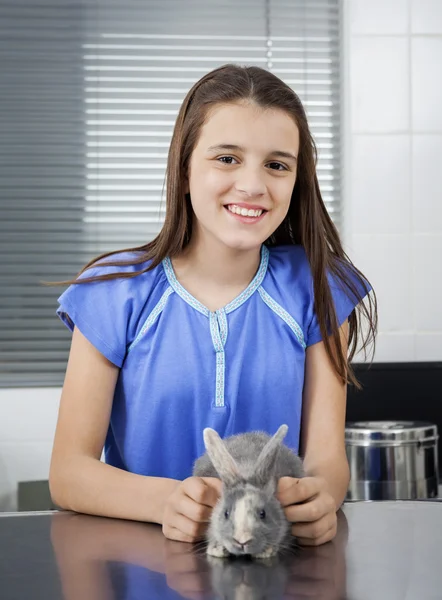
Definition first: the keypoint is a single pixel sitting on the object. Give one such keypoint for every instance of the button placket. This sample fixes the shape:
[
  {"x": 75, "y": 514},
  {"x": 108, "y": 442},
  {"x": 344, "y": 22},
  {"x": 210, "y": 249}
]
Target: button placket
[{"x": 218, "y": 330}]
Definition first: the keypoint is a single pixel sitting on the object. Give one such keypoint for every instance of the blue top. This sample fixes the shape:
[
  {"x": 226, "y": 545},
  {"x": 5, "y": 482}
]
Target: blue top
[{"x": 184, "y": 368}]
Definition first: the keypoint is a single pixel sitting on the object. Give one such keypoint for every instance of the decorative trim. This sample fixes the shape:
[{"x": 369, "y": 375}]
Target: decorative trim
[
  {"x": 220, "y": 376},
  {"x": 152, "y": 317},
  {"x": 182, "y": 292},
  {"x": 234, "y": 304},
  {"x": 219, "y": 335},
  {"x": 214, "y": 330},
  {"x": 254, "y": 284},
  {"x": 223, "y": 327},
  {"x": 277, "y": 309}
]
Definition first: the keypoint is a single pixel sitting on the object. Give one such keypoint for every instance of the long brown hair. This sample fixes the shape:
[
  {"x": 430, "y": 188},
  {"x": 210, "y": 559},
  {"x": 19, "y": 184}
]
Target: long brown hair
[{"x": 307, "y": 222}]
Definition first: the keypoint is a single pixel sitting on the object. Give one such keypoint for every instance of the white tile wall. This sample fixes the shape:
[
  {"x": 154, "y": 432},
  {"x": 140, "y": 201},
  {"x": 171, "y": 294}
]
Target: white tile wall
[
  {"x": 386, "y": 261},
  {"x": 393, "y": 200},
  {"x": 379, "y": 84},
  {"x": 428, "y": 347},
  {"x": 426, "y": 67},
  {"x": 401, "y": 345},
  {"x": 393, "y": 168},
  {"x": 427, "y": 282},
  {"x": 381, "y": 203},
  {"x": 379, "y": 17},
  {"x": 427, "y": 183},
  {"x": 426, "y": 16}
]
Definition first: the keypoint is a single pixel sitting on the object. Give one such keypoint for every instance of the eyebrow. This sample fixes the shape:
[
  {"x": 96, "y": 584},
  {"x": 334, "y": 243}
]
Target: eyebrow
[{"x": 278, "y": 153}]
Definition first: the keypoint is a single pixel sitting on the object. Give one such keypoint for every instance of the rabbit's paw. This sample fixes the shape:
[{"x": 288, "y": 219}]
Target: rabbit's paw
[
  {"x": 218, "y": 550},
  {"x": 268, "y": 553}
]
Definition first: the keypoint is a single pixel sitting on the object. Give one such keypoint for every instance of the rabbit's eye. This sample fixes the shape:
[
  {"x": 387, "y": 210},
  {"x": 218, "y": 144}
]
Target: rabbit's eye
[
  {"x": 262, "y": 514},
  {"x": 226, "y": 514}
]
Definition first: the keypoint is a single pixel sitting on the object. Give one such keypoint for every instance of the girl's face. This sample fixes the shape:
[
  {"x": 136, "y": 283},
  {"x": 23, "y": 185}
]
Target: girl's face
[{"x": 241, "y": 174}]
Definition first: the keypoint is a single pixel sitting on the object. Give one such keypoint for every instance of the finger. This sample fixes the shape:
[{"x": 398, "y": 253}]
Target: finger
[
  {"x": 299, "y": 490},
  {"x": 200, "y": 513},
  {"x": 175, "y": 534},
  {"x": 326, "y": 536},
  {"x": 215, "y": 483},
  {"x": 202, "y": 490},
  {"x": 311, "y": 510},
  {"x": 287, "y": 486},
  {"x": 190, "y": 530},
  {"x": 314, "y": 529}
]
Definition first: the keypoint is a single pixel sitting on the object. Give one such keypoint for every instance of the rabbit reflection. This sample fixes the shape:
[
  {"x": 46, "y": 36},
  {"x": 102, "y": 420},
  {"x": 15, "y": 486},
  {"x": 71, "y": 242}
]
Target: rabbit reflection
[
  {"x": 111, "y": 559},
  {"x": 244, "y": 579}
]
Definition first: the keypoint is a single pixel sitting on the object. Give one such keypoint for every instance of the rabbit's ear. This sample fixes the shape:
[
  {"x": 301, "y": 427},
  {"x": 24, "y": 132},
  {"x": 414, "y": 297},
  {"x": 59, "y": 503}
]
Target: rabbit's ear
[
  {"x": 266, "y": 460},
  {"x": 223, "y": 462}
]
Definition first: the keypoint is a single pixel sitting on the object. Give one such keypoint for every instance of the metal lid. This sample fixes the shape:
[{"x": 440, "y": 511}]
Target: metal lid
[{"x": 381, "y": 432}]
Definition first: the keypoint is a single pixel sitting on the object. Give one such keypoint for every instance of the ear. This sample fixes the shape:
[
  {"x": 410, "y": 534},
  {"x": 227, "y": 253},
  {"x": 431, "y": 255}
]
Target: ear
[
  {"x": 267, "y": 458},
  {"x": 223, "y": 462}
]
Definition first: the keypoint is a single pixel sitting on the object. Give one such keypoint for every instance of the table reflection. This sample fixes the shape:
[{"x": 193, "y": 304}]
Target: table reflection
[{"x": 107, "y": 559}]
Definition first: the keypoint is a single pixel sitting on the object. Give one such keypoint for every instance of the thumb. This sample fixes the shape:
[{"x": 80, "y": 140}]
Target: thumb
[
  {"x": 284, "y": 483},
  {"x": 215, "y": 486},
  {"x": 287, "y": 487}
]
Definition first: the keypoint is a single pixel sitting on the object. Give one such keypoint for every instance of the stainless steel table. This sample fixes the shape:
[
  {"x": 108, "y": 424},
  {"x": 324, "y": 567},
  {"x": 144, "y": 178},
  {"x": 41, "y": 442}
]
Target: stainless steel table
[{"x": 383, "y": 550}]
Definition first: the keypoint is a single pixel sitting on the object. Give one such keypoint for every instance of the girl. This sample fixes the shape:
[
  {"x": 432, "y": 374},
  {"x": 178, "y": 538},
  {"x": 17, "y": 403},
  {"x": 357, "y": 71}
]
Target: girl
[{"x": 240, "y": 315}]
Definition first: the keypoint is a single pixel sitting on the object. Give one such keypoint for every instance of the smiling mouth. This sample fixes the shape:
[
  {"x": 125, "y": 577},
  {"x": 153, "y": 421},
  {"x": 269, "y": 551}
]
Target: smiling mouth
[{"x": 245, "y": 212}]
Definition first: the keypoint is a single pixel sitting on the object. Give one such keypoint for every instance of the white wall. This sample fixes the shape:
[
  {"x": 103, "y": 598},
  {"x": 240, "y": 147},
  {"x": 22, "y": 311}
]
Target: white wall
[
  {"x": 393, "y": 205},
  {"x": 27, "y": 426},
  {"x": 393, "y": 168}
]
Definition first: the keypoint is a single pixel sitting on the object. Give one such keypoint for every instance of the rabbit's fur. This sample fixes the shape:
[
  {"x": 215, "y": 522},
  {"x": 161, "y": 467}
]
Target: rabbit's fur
[{"x": 248, "y": 518}]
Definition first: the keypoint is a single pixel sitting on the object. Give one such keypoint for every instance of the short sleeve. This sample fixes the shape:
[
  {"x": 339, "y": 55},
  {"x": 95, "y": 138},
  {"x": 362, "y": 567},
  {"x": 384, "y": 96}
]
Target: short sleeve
[
  {"x": 106, "y": 312},
  {"x": 345, "y": 301}
]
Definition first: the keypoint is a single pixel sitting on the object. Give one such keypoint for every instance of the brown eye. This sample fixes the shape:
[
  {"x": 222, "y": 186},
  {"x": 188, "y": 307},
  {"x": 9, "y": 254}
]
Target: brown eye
[
  {"x": 284, "y": 168},
  {"x": 228, "y": 158}
]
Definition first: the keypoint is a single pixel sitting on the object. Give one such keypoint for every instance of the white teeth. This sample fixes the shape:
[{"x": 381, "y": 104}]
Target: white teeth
[{"x": 244, "y": 211}]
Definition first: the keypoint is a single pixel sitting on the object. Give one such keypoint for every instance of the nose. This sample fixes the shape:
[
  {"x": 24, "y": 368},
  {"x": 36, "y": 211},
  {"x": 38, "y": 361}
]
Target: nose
[
  {"x": 243, "y": 543},
  {"x": 251, "y": 183}
]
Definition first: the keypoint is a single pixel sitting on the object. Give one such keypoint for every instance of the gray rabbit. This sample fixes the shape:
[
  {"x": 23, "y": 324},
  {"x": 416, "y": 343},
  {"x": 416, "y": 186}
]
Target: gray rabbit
[{"x": 248, "y": 519}]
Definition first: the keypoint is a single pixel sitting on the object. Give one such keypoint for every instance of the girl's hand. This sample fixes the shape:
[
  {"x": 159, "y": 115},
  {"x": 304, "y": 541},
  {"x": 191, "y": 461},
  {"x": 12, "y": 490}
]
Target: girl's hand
[
  {"x": 310, "y": 507},
  {"x": 188, "y": 508}
]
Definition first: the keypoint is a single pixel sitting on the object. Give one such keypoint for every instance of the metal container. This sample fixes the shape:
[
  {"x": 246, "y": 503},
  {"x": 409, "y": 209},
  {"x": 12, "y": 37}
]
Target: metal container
[{"x": 392, "y": 460}]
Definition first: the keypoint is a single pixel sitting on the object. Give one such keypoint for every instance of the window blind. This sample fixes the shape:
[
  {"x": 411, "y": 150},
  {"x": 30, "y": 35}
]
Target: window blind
[{"x": 90, "y": 93}]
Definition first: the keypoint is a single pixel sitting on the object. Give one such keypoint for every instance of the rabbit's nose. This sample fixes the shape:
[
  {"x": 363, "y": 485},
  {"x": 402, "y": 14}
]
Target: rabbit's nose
[{"x": 243, "y": 543}]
